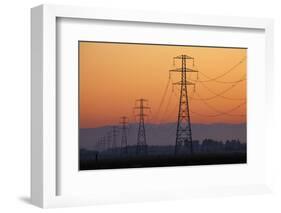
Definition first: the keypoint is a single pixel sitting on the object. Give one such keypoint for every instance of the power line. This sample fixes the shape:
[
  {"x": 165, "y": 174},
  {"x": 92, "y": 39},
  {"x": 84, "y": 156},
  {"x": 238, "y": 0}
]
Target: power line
[
  {"x": 167, "y": 106},
  {"x": 218, "y": 94},
  {"x": 174, "y": 108},
  {"x": 219, "y": 113},
  {"x": 222, "y": 112},
  {"x": 163, "y": 97},
  {"x": 220, "y": 76}
]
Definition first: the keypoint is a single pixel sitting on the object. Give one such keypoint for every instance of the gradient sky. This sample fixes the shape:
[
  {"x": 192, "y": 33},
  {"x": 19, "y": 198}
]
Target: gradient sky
[{"x": 113, "y": 76}]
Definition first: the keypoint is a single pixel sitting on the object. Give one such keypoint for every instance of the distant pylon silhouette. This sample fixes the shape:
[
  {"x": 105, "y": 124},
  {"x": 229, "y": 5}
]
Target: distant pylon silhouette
[
  {"x": 98, "y": 145},
  {"x": 124, "y": 142},
  {"x": 103, "y": 143},
  {"x": 114, "y": 137},
  {"x": 108, "y": 139},
  {"x": 141, "y": 139},
  {"x": 183, "y": 134}
]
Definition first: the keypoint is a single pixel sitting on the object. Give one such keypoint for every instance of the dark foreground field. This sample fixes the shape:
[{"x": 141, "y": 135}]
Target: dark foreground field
[{"x": 166, "y": 160}]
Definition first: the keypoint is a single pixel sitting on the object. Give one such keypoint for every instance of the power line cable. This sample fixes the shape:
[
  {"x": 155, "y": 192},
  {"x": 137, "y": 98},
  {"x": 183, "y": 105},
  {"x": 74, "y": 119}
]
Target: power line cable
[
  {"x": 163, "y": 98},
  {"x": 224, "y": 112},
  {"x": 219, "y": 113},
  {"x": 218, "y": 94},
  {"x": 220, "y": 76},
  {"x": 168, "y": 105}
]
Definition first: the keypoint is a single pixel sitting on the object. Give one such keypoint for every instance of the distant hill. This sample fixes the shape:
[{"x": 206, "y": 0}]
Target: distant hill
[{"x": 164, "y": 134}]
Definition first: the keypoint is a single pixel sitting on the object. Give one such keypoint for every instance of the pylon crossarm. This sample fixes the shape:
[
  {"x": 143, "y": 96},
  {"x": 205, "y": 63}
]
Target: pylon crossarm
[
  {"x": 184, "y": 83},
  {"x": 141, "y": 99},
  {"x": 143, "y": 107},
  {"x": 180, "y": 70},
  {"x": 141, "y": 115},
  {"x": 183, "y": 57}
]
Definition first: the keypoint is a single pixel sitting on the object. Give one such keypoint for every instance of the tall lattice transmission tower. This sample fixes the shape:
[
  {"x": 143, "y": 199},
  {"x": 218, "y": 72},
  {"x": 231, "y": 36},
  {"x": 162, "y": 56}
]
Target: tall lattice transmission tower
[
  {"x": 108, "y": 139},
  {"x": 98, "y": 145},
  {"x": 114, "y": 137},
  {"x": 183, "y": 134},
  {"x": 141, "y": 139},
  {"x": 124, "y": 142},
  {"x": 103, "y": 143}
]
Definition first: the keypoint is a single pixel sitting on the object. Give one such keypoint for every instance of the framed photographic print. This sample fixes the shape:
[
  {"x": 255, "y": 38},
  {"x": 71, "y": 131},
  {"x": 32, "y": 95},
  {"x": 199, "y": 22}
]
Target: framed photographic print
[
  {"x": 149, "y": 106},
  {"x": 199, "y": 119}
]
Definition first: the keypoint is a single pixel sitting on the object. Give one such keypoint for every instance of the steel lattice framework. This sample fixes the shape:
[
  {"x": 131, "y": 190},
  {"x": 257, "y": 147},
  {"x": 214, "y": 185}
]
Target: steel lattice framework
[
  {"x": 124, "y": 142},
  {"x": 114, "y": 137},
  {"x": 183, "y": 133},
  {"x": 141, "y": 138}
]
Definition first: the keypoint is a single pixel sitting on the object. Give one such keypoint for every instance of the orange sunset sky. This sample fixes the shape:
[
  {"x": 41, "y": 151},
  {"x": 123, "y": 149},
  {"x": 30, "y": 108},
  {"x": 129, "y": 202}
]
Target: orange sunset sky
[{"x": 113, "y": 75}]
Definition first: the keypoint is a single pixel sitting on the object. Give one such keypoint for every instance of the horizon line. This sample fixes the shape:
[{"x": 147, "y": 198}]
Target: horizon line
[{"x": 136, "y": 123}]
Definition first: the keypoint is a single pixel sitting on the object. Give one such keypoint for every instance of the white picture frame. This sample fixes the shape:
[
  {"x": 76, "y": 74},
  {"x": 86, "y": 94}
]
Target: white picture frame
[{"x": 44, "y": 154}]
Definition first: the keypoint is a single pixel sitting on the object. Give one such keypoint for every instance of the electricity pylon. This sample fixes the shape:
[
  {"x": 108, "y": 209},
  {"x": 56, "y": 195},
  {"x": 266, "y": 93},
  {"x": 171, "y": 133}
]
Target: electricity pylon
[
  {"x": 114, "y": 137},
  {"x": 98, "y": 145},
  {"x": 108, "y": 139},
  {"x": 103, "y": 143},
  {"x": 183, "y": 134},
  {"x": 124, "y": 143},
  {"x": 141, "y": 140}
]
